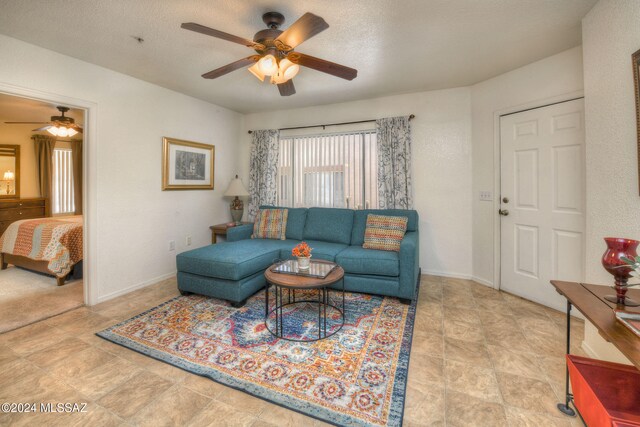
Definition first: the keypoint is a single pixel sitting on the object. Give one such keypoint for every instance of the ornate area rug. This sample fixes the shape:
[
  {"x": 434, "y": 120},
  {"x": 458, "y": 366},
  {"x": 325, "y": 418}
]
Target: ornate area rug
[{"x": 356, "y": 377}]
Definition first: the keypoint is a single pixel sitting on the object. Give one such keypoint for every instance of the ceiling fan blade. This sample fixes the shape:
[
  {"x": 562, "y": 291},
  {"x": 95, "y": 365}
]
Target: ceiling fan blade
[
  {"x": 192, "y": 26},
  {"x": 42, "y": 128},
  {"x": 25, "y": 123},
  {"x": 303, "y": 29},
  {"x": 249, "y": 60},
  {"x": 322, "y": 65},
  {"x": 287, "y": 88},
  {"x": 76, "y": 128}
]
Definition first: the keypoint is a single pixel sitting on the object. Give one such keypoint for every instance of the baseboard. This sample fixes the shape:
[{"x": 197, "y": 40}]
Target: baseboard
[
  {"x": 135, "y": 287},
  {"x": 482, "y": 281},
  {"x": 590, "y": 352},
  {"x": 445, "y": 274}
]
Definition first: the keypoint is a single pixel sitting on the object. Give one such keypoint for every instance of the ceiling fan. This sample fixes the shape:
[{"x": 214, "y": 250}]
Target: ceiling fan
[
  {"x": 62, "y": 125},
  {"x": 276, "y": 57}
]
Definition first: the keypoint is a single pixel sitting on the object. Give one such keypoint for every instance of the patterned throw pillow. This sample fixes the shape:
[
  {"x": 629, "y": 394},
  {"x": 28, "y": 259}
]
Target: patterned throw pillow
[
  {"x": 270, "y": 224},
  {"x": 384, "y": 232}
]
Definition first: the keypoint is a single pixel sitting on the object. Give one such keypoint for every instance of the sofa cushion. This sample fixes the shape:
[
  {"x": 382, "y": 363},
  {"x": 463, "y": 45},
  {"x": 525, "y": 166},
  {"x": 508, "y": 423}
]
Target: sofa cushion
[
  {"x": 360, "y": 221},
  {"x": 270, "y": 224},
  {"x": 329, "y": 225},
  {"x": 357, "y": 260},
  {"x": 231, "y": 260},
  {"x": 295, "y": 221},
  {"x": 384, "y": 232},
  {"x": 321, "y": 250}
]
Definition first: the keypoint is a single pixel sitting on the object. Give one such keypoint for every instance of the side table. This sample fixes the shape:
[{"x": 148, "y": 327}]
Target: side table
[
  {"x": 590, "y": 301},
  {"x": 221, "y": 230}
]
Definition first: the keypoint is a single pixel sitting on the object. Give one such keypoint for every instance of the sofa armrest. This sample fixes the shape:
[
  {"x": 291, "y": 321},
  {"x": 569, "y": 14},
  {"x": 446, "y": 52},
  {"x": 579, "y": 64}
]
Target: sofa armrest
[
  {"x": 409, "y": 265},
  {"x": 239, "y": 232}
]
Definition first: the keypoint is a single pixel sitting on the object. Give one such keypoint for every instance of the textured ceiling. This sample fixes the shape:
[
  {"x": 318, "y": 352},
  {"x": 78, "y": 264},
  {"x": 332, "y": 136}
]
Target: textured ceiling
[
  {"x": 16, "y": 109},
  {"x": 397, "y": 46}
]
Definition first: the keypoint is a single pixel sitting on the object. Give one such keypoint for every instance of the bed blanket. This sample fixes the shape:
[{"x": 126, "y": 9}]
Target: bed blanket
[{"x": 56, "y": 240}]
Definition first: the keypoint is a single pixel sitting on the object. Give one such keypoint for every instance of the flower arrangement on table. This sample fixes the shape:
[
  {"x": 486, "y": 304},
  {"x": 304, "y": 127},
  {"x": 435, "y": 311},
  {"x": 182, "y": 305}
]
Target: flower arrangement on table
[{"x": 302, "y": 251}]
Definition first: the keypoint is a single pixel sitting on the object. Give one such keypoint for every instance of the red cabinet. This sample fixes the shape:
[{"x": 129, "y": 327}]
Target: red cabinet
[{"x": 605, "y": 393}]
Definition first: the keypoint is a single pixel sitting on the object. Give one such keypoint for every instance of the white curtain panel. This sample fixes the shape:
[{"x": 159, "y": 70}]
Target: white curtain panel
[
  {"x": 394, "y": 163},
  {"x": 263, "y": 170}
]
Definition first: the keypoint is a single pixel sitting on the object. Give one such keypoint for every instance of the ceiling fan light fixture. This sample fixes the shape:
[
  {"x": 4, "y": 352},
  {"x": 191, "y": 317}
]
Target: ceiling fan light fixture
[
  {"x": 278, "y": 78},
  {"x": 62, "y": 131},
  {"x": 255, "y": 70},
  {"x": 268, "y": 65},
  {"x": 288, "y": 69}
]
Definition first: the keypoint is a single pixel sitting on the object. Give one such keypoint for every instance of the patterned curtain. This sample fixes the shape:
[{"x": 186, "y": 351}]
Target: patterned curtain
[
  {"x": 394, "y": 163},
  {"x": 263, "y": 170},
  {"x": 44, "y": 145}
]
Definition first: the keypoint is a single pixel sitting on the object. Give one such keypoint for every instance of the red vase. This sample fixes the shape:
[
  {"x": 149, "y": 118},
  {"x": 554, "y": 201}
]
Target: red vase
[{"x": 617, "y": 249}]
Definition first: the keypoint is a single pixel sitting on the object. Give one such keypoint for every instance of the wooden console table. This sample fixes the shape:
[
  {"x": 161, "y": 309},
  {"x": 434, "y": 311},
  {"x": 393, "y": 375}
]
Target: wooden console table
[
  {"x": 589, "y": 300},
  {"x": 221, "y": 230}
]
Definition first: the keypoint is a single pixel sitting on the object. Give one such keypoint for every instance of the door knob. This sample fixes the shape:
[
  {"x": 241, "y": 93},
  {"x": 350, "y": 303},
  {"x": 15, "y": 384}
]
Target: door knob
[
  {"x": 503, "y": 212},
  {"x": 505, "y": 200}
]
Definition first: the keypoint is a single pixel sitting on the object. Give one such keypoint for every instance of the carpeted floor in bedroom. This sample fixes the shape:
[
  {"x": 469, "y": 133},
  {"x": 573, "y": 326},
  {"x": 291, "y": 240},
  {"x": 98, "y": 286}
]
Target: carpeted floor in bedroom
[
  {"x": 479, "y": 357},
  {"x": 27, "y": 297}
]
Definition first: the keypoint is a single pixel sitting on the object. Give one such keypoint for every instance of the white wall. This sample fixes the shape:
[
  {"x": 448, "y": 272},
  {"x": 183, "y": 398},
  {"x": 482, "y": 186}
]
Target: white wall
[
  {"x": 134, "y": 218},
  {"x": 610, "y": 34},
  {"x": 441, "y": 160},
  {"x": 21, "y": 135},
  {"x": 531, "y": 85}
]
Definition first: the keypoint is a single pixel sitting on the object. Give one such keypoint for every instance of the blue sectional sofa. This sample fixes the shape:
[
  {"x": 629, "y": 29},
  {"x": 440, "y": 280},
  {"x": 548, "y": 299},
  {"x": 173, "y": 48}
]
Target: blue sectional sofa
[{"x": 234, "y": 270}]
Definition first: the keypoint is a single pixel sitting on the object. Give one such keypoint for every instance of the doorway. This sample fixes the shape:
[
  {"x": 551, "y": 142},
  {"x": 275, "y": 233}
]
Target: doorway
[
  {"x": 542, "y": 200},
  {"x": 42, "y": 252}
]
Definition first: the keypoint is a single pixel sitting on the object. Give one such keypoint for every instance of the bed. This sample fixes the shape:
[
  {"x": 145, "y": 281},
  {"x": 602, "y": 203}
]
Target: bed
[{"x": 48, "y": 245}]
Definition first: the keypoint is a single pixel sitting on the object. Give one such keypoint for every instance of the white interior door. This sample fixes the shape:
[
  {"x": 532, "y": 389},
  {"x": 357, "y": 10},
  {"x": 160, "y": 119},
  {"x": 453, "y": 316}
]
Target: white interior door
[{"x": 542, "y": 200}]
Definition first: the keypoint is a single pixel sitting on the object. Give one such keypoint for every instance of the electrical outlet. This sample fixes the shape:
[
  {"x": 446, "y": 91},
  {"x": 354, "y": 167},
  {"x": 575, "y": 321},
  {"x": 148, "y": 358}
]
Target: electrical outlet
[
  {"x": 188, "y": 240},
  {"x": 172, "y": 245},
  {"x": 486, "y": 196}
]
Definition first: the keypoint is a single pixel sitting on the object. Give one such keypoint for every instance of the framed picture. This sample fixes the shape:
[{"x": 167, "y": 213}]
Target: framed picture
[
  {"x": 187, "y": 165},
  {"x": 635, "y": 59}
]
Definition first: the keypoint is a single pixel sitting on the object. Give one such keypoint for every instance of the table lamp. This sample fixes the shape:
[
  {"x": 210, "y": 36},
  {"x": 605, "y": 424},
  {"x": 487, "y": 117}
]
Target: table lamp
[
  {"x": 236, "y": 189},
  {"x": 9, "y": 176}
]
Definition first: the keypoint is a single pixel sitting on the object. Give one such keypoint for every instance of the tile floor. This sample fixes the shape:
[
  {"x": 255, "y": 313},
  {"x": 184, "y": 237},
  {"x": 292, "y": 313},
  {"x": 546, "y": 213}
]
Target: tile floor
[{"x": 500, "y": 363}]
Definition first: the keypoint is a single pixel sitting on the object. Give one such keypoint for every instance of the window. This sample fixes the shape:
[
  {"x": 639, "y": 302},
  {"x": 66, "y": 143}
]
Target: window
[
  {"x": 62, "y": 182},
  {"x": 331, "y": 170}
]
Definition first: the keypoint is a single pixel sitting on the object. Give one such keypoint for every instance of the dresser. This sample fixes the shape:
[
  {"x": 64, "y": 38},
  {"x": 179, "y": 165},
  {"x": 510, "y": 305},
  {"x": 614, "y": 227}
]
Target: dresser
[{"x": 15, "y": 209}]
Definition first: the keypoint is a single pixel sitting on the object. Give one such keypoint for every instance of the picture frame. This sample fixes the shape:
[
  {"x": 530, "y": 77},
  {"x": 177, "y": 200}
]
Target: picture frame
[
  {"x": 187, "y": 165},
  {"x": 635, "y": 60}
]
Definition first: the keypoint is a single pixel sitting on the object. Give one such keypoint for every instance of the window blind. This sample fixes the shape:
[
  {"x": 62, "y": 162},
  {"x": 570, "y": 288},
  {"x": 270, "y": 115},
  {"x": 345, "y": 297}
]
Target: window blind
[
  {"x": 62, "y": 182},
  {"x": 328, "y": 170}
]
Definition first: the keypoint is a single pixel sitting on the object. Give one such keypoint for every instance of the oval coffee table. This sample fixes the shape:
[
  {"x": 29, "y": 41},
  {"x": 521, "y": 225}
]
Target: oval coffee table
[{"x": 286, "y": 285}]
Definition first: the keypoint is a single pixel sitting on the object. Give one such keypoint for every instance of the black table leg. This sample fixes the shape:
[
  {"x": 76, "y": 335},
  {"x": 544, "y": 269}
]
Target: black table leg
[
  {"x": 319, "y": 314},
  {"x": 564, "y": 407},
  {"x": 281, "y": 316},
  {"x": 266, "y": 302},
  {"x": 325, "y": 297}
]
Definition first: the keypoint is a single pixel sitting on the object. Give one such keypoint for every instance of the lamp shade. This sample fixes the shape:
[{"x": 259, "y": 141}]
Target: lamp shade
[
  {"x": 236, "y": 188},
  {"x": 61, "y": 131},
  {"x": 9, "y": 176},
  {"x": 288, "y": 69},
  {"x": 255, "y": 70},
  {"x": 268, "y": 65}
]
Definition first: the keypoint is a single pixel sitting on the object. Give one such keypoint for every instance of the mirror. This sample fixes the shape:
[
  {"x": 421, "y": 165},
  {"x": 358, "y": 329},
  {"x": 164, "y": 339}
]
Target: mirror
[{"x": 10, "y": 171}]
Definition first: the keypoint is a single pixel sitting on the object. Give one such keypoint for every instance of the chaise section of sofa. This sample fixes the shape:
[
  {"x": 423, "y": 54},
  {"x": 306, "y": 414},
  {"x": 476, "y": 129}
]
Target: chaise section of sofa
[{"x": 234, "y": 270}]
